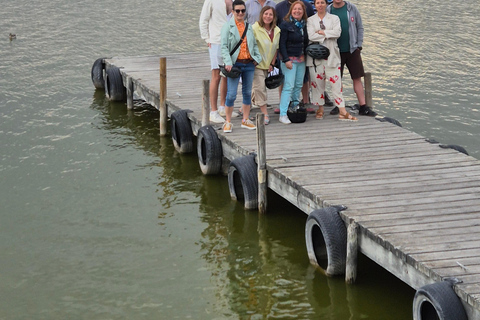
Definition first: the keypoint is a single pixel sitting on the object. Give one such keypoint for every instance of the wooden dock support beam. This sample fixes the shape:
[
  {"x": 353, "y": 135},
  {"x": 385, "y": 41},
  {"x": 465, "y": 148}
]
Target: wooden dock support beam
[
  {"x": 261, "y": 163},
  {"x": 352, "y": 251},
  {"x": 206, "y": 103},
  {"x": 129, "y": 93},
  {"x": 367, "y": 79},
  {"x": 163, "y": 97}
]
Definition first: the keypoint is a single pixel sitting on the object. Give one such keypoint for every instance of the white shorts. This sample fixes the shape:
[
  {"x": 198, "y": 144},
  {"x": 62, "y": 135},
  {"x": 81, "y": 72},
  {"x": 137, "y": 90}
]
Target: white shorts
[{"x": 215, "y": 55}]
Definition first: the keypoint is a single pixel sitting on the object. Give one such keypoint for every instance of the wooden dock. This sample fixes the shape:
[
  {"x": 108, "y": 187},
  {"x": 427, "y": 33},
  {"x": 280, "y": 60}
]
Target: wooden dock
[{"x": 416, "y": 206}]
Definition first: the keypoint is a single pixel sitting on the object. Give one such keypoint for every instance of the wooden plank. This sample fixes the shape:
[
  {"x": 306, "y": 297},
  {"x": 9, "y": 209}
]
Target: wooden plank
[{"x": 417, "y": 206}]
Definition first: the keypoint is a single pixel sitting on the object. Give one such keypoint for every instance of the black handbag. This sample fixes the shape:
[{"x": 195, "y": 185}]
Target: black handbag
[{"x": 233, "y": 73}]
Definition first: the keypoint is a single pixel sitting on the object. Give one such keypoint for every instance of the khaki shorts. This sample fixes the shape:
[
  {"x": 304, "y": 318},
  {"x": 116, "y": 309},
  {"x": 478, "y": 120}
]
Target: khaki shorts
[{"x": 259, "y": 91}]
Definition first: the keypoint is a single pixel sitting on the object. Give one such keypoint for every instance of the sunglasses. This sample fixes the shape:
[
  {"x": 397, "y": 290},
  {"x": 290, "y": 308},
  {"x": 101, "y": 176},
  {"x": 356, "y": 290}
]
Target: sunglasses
[
  {"x": 322, "y": 26},
  {"x": 240, "y": 10}
]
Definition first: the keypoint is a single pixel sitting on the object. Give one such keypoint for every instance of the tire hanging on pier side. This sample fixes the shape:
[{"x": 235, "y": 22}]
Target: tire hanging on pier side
[
  {"x": 243, "y": 181},
  {"x": 182, "y": 134},
  {"x": 326, "y": 239},
  {"x": 438, "y": 301},
  {"x": 97, "y": 73},
  {"x": 114, "y": 88},
  {"x": 209, "y": 150}
]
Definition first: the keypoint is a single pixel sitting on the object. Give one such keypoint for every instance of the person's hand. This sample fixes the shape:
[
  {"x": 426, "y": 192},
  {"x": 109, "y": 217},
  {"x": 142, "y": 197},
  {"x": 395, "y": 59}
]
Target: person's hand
[
  {"x": 228, "y": 68},
  {"x": 289, "y": 65},
  {"x": 270, "y": 68},
  {"x": 321, "y": 32},
  {"x": 209, "y": 44}
]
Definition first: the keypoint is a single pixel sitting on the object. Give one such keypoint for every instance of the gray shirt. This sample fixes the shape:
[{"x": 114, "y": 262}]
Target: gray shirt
[{"x": 253, "y": 9}]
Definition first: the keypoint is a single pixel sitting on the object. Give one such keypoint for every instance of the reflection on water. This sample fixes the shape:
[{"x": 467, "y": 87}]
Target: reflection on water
[{"x": 102, "y": 219}]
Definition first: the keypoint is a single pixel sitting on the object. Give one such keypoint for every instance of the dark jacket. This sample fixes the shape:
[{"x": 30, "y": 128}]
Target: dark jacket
[
  {"x": 283, "y": 7},
  {"x": 292, "y": 42}
]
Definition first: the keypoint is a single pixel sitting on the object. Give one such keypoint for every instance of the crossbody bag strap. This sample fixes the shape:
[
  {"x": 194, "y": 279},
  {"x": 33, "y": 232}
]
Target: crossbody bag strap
[{"x": 241, "y": 40}]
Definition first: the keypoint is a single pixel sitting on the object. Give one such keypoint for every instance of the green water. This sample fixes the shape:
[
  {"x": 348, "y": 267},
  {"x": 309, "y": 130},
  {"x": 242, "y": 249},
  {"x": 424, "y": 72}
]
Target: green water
[{"x": 102, "y": 219}]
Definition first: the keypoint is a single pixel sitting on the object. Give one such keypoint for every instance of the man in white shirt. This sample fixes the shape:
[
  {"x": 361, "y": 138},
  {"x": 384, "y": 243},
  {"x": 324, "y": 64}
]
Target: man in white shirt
[{"x": 214, "y": 15}]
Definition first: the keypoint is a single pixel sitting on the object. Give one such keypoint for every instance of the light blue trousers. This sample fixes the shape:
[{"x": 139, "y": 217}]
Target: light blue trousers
[{"x": 292, "y": 85}]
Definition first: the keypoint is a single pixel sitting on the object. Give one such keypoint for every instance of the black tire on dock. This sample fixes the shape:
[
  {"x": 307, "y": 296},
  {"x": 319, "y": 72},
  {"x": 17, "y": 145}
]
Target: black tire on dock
[
  {"x": 243, "y": 181},
  {"x": 326, "y": 239},
  {"x": 438, "y": 301},
  {"x": 97, "y": 73},
  {"x": 209, "y": 150},
  {"x": 182, "y": 134},
  {"x": 114, "y": 88}
]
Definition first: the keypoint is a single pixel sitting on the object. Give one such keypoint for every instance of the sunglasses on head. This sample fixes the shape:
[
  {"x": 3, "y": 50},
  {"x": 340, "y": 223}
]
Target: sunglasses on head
[
  {"x": 240, "y": 10},
  {"x": 322, "y": 26}
]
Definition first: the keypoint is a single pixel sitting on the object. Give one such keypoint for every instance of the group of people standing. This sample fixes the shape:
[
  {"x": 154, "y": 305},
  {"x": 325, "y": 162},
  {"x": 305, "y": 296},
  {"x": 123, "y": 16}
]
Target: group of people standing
[{"x": 250, "y": 37}]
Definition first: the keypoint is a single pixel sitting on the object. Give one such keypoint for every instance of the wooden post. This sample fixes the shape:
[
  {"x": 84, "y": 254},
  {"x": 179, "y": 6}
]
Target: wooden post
[
  {"x": 368, "y": 89},
  {"x": 206, "y": 103},
  {"x": 352, "y": 250},
  {"x": 129, "y": 93},
  {"x": 262, "y": 164},
  {"x": 163, "y": 97}
]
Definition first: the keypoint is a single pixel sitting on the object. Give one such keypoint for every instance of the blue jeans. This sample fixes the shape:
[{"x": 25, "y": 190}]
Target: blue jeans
[
  {"x": 292, "y": 85},
  {"x": 247, "y": 80}
]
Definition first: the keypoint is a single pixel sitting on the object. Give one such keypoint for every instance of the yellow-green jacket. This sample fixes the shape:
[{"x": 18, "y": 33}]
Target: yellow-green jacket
[{"x": 268, "y": 49}]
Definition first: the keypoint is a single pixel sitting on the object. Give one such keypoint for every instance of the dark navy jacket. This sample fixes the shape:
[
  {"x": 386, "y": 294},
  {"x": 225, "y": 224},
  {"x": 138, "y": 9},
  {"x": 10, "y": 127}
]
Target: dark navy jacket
[{"x": 292, "y": 42}]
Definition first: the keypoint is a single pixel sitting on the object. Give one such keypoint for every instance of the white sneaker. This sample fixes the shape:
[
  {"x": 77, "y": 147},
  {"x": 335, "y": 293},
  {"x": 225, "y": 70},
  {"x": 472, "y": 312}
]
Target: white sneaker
[
  {"x": 215, "y": 117},
  {"x": 221, "y": 111},
  {"x": 284, "y": 120},
  {"x": 254, "y": 106}
]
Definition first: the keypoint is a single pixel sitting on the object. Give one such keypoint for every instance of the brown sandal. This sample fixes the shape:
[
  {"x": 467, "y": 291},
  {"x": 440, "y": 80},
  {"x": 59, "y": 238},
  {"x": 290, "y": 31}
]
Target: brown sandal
[
  {"x": 346, "y": 117},
  {"x": 319, "y": 114}
]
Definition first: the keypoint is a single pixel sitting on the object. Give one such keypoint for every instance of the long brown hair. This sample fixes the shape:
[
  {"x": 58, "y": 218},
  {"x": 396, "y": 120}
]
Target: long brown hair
[
  {"x": 260, "y": 19},
  {"x": 304, "y": 18}
]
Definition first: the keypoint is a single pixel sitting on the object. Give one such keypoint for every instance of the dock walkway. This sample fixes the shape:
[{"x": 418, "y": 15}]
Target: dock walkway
[{"x": 417, "y": 205}]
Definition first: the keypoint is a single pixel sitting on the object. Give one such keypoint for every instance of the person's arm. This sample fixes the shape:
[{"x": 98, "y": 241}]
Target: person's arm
[
  {"x": 273, "y": 62},
  {"x": 257, "y": 57},
  {"x": 336, "y": 31},
  {"x": 227, "y": 59},
  {"x": 205, "y": 16},
  {"x": 283, "y": 43},
  {"x": 359, "y": 26},
  {"x": 306, "y": 41},
  {"x": 313, "y": 28}
]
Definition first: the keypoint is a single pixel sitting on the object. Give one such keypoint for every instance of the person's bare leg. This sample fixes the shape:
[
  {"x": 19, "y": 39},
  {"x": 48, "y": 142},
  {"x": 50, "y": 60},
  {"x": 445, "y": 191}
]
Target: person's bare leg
[
  {"x": 214, "y": 83},
  {"x": 228, "y": 113},
  {"x": 246, "y": 111},
  {"x": 358, "y": 88},
  {"x": 305, "y": 92},
  {"x": 264, "y": 109},
  {"x": 223, "y": 91}
]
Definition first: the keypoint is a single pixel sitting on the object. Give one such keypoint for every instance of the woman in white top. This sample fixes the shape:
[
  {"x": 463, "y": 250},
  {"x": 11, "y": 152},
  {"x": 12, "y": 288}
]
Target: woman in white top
[{"x": 324, "y": 28}]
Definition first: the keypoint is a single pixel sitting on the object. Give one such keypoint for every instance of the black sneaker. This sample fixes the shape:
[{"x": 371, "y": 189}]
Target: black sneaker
[
  {"x": 367, "y": 111},
  {"x": 335, "y": 111}
]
